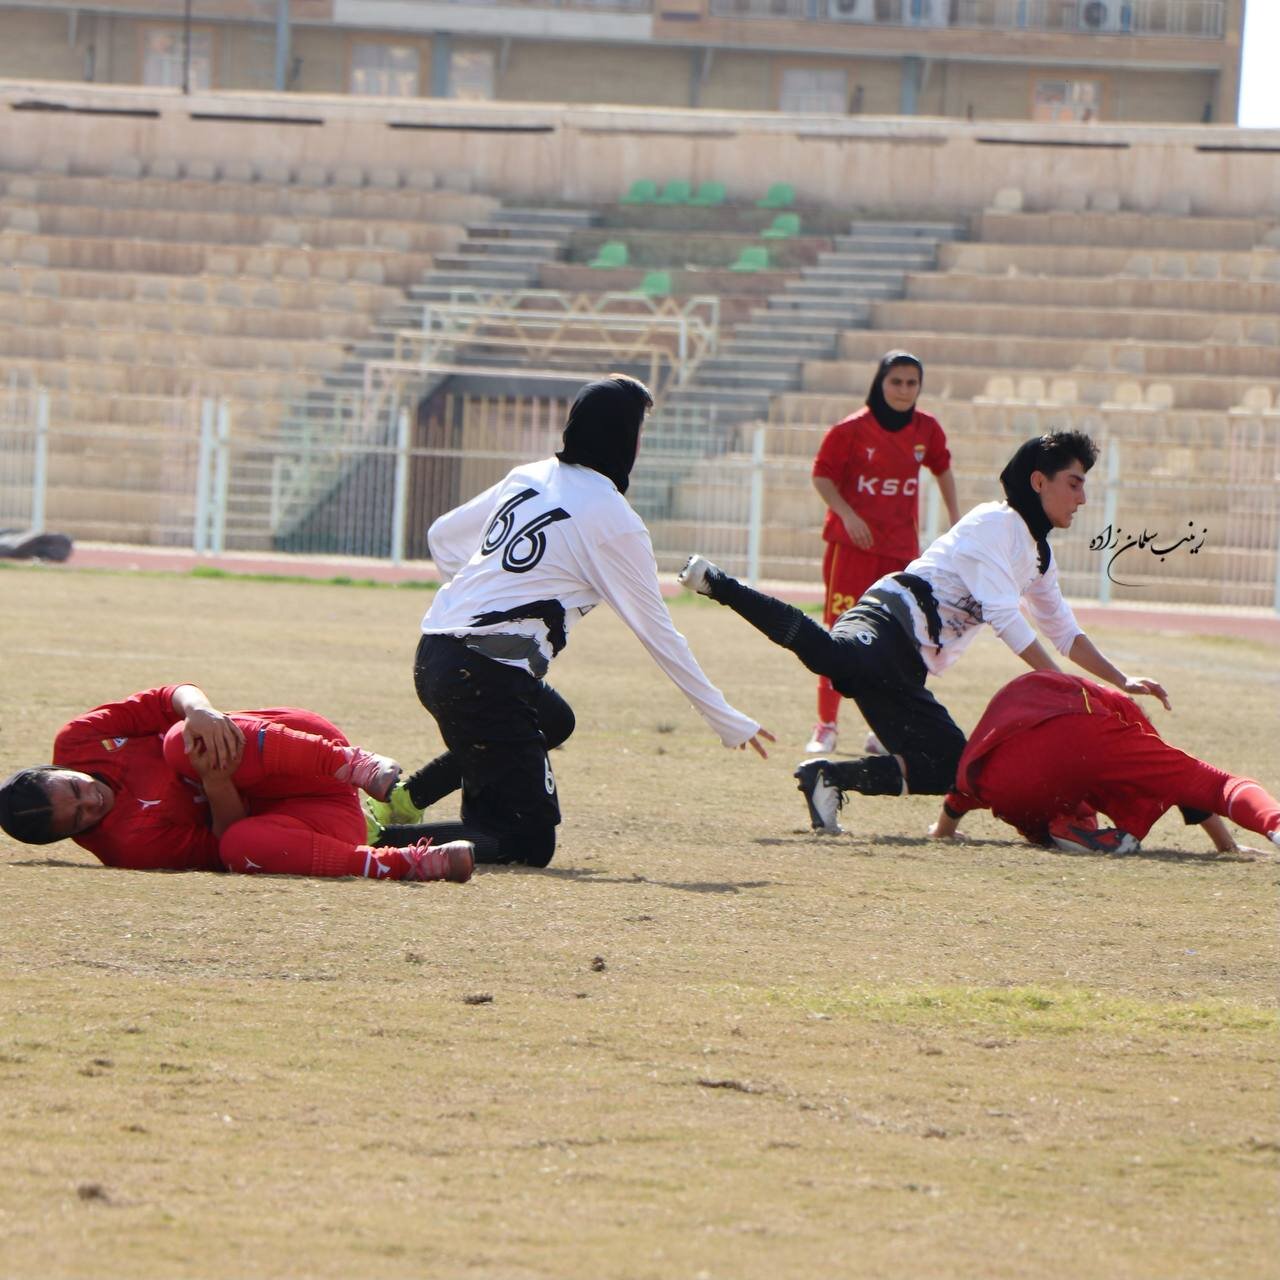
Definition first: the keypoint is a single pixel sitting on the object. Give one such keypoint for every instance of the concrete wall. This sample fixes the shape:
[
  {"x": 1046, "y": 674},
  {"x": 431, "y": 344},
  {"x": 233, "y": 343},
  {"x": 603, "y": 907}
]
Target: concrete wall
[
  {"x": 555, "y": 152},
  {"x": 537, "y": 72},
  {"x": 744, "y": 75}
]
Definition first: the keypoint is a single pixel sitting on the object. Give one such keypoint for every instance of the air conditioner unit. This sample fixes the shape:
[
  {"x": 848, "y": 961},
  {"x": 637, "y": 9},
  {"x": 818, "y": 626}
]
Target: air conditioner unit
[
  {"x": 853, "y": 10},
  {"x": 1106, "y": 15},
  {"x": 926, "y": 13}
]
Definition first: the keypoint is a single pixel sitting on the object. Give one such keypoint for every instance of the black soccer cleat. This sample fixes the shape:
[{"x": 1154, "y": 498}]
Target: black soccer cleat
[{"x": 824, "y": 799}]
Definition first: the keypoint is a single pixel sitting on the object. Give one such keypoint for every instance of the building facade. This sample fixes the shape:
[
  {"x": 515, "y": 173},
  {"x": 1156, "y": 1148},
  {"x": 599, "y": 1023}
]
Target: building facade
[{"x": 1053, "y": 61}]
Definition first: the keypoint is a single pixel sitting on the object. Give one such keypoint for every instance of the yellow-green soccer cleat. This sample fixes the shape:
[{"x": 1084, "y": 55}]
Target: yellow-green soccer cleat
[{"x": 397, "y": 810}]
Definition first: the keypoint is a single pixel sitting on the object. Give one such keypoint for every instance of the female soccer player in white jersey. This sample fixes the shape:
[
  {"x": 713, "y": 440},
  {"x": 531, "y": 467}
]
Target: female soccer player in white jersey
[
  {"x": 913, "y": 624},
  {"x": 525, "y": 560}
]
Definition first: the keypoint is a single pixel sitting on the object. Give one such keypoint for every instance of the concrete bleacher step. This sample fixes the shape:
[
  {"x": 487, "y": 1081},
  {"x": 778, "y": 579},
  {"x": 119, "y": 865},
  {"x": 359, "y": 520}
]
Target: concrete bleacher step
[
  {"x": 815, "y": 309},
  {"x": 544, "y": 218},
  {"x": 908, "y": 250},
  {"x": 871, "y": 229},
  {"x": 1198, "y": 294},
  {"x": 872, "y": 266},
  {"x": 823, "y": 287},
  {"x": 1117, "y": 358},
  {"x": 505, "y": 247},
  {"x": 480, "y": 276},
  {"x": 778, "y": 347},
  {"x": 965, "y": 381},
  {"x": 718, "y": 404},
  {"x": 1115, "y": 323},
  {"x": 756, "y": 375},
  {"x": 884, "y": 263}
]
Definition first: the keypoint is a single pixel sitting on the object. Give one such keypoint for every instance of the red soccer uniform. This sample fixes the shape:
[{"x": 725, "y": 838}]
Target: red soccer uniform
[
  {"x": 159, "y": 820},
  {"x": 300, "y": 819},
  {"x": 878, "y": 474},
  {"x": 1052, "y": 745}
]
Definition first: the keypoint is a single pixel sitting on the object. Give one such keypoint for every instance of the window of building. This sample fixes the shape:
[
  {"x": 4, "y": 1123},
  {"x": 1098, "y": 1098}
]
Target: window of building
[
  {"x": 172, "y": 58},
  {"x": 384, "y": 70},
  {"x": 1066, "y": 101},
  {"x": 471, "y": 75},
  {"x": 809, "y": 89}
]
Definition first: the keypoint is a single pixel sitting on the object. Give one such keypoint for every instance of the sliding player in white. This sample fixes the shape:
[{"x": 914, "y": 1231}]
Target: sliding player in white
[{"x": 913, "y": 624}]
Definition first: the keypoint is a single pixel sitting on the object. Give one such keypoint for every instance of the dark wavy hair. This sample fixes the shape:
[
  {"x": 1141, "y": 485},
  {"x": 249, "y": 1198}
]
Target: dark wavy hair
[{"x": 25, "y": 812}]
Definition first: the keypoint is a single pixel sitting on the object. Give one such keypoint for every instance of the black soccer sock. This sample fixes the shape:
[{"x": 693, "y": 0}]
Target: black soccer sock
[
  {"x": 868, "y": 775},
  {"x": 534, "y": 847},
  {"x": 783, "y": 623}
]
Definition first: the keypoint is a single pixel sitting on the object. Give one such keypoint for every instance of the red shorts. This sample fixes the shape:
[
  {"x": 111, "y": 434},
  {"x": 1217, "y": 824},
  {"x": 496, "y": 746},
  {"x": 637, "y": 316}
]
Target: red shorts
[{"x": 848, "y": 572}]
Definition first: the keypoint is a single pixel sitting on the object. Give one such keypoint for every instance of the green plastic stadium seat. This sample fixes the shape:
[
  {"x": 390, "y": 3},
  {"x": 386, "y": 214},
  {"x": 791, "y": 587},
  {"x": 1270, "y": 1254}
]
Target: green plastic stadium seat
[
  {"x": 656, "y": 284},
  {"x": 613, "y": 253},
  {"x": 783, "y": 227},
  {"x": 709, "y": 195},
  {"x": 675, "y": 192},
  {"x": 643, "y": 191},
  {"x": 779, "y": 196},
  {"x": 753, "y": 258}
]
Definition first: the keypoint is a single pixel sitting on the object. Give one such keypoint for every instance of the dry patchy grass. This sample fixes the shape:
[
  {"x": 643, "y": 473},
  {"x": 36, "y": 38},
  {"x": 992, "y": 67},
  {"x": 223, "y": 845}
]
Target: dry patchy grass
[{"x": 703, "y": 1043}]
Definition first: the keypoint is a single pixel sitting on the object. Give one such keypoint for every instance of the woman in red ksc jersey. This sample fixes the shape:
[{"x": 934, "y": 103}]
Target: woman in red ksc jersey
[{"x": 867, "y": 471}]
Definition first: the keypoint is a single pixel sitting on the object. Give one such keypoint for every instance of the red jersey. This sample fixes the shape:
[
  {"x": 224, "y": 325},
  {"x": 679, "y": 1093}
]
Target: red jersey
[
  {"x": 878, "y": 474},
  {"x": 159, "y": 821},
  {"x": 1028, "y": 701}
]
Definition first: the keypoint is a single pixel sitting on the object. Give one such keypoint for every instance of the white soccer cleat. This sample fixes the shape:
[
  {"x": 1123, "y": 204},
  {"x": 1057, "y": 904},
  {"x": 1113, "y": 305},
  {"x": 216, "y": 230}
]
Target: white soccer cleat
[
  {"x": 873, "y": 746},
  {"x": 697, "y": 575},
  {"x": 1274, "y": 837},
  {"x": 824, "y": 799},
  {"x": 823, "y": 740}
]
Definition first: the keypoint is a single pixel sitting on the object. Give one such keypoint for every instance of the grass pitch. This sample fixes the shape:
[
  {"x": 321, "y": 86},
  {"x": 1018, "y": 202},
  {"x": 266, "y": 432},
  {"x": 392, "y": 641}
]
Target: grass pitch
[{"x": 704, "y": 1043}]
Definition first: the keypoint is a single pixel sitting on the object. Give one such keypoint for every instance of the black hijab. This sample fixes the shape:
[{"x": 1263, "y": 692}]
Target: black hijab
[
  {"x": 603, "y": 428},
  {"x": 891, "y": 419},
  {"x": 1015, "y": 479}
]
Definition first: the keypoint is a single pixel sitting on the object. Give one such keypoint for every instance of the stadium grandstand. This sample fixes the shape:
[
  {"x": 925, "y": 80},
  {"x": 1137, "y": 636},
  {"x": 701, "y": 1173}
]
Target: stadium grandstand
[{"x": 308, "y": 313}]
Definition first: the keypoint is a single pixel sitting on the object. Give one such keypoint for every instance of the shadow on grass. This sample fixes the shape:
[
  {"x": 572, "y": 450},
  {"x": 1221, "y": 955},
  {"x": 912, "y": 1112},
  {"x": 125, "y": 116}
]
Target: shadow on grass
[
  {"x": 587, "y": 876},
  {"x": 861, "y": 846}
]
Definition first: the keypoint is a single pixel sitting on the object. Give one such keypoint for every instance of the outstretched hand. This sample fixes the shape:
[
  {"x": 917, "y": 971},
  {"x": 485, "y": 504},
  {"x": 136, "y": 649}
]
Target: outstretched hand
[
  {"x": 214, "y": 736},
  {"x": 1141, "y": 685},
  {"x": 756, "y": 745}
]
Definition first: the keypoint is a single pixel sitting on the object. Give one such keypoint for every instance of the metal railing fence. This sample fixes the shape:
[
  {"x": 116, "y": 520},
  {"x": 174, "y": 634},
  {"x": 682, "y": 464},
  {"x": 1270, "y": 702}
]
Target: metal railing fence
[{"x": 1182, "y": 508}]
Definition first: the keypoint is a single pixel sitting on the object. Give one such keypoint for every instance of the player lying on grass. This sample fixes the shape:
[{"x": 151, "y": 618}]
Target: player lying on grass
[
  {"x": 1052, "y": 751},
  {"x": 163, "y": 781},
  {"x": 524, "y": 561},
  {"x": 913, "y": 624}
]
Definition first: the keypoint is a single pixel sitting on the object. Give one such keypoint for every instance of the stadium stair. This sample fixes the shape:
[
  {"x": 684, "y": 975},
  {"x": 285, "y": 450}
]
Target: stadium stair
[{"x": 502, "y": 254}]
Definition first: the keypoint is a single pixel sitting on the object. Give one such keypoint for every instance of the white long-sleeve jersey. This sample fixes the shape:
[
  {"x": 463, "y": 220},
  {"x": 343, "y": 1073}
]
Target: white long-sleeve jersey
[
  {"x": 530, "y": 556},
  {"x": 980, "y": 571}
]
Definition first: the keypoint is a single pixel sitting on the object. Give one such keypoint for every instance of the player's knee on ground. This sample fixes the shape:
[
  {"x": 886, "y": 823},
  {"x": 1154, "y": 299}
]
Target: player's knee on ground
[{"x": 534, "y": 847}]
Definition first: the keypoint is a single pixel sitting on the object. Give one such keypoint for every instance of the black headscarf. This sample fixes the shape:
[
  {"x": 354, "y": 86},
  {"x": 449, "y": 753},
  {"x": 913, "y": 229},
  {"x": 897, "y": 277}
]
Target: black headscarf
[
  {"x": 1015, "y": 479},
  {"x": 891, "y": 419},
  {"x": 603, "y": 428}
]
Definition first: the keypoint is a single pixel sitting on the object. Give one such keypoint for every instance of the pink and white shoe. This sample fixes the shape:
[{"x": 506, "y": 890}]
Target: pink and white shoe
[
  {"x": 454, "y": 861},
  {"x": 823, "y": 741},
  {"x": 377, "y": 775}
]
